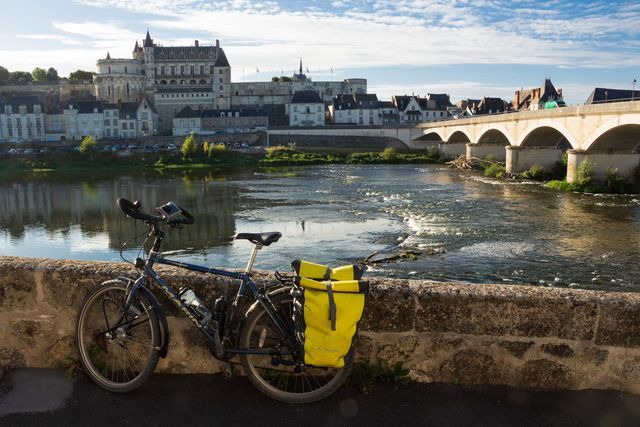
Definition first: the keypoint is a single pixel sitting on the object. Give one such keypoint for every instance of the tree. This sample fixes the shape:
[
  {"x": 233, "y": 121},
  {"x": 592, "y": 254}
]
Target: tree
[
  {"x": 39, "y": 74},
  {"x": 88, "y": 145},
  {"x": 285, "y": 79},
  {"x": 206, "y": 147},
  {"x": 81, "y": 75},
  {"x": 189, "y": 146},
  {"x": 20, "y": 77},
  {"x": 275, "y": 79},
  {"x": 4, "y": 75},
  {"x": 52, "y": 75}
]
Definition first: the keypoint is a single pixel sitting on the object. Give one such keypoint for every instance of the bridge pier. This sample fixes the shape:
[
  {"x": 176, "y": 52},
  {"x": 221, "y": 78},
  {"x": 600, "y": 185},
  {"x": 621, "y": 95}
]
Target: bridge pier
[
  {"x": 626, "y": 163},
  {"x": 520, "y": 159},
  {"x": 451, "y": 150},
  {"x": 484, "y": 150}
]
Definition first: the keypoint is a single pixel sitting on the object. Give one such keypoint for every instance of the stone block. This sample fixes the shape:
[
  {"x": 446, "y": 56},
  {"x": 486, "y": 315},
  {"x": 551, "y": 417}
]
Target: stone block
[
  {"x": 62, "y": 351},
  {"x": 520, "y": 311},
  {"x": 364, "y": 348},
  {"x": 17, "y": 290},
  {"x": 545, "y": 373},
  {"x": 32, "y": 332},
  {"x": 390, "y": 307},
  {"x": 516, "y": 348},
  {"x": 473, "y": 367},
  {"x": 619, "y": 324},
  {"x": 562, "y": 351},
  {"x": 399, "y": 352}
]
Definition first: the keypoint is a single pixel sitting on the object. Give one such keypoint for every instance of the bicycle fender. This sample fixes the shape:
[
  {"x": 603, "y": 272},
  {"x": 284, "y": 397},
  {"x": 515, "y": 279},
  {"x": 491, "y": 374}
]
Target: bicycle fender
[
  {"x": 162, "y": 319},
  {"x": 255, "y": 305}
]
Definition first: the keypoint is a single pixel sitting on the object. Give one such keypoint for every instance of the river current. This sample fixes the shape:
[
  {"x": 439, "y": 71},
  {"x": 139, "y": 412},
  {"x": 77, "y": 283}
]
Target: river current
[{"x": 424, "y": 221}]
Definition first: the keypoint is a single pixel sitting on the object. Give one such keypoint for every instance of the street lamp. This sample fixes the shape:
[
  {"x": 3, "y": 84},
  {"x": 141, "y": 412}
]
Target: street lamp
[{"x": 633, "y": 89}]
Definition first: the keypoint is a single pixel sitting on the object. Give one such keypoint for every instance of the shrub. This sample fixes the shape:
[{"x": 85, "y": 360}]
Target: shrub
[
  {"x": 534, "y": 172},
  {"x": 584, "y": 173},
  {"x": 280, "y": 151},
  {"x": 614, "y": 182},
  {"x": 433, "y": 153},
  {"x": 205, "y": 148},
  {"x": 495, "y": 170},
  {"x": 189, "y": 146},
  {"x": 216, "y": 149},
  {"x": 88, "y": 145},
  {"x": 389, "y": 153},
  {"x": 561, "y": 185}
]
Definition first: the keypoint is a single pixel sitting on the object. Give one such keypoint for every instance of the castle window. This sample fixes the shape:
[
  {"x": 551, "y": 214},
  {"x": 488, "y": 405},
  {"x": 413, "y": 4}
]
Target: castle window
[
  {"x": 202, "y": 70},
  {"x": 173, "y": 70},
  {"x": 182, "y": 69},
  {"x": 221, "y": 81},
  {"x": 193, "y": 70},
  {"x": 219, "y": 71},
  {"x": 125, "y": 70},
  {"x": 162, "y": 70},
  {"x": 210, "y": 69},
  {"x": 127, "y": 88},
  {"x": 109, "y": 70}
]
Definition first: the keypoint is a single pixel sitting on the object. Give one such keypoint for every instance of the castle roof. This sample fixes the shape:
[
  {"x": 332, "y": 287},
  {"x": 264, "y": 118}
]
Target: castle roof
[
  {"x": 148, "y": 41},
  {"x": 28, "y": 101},
  {"x": 221, "y": 60},
  {"x": 601, "y": 94},
  {"x": 356, "y": 101},
  {"x": 306, "y": 97}
]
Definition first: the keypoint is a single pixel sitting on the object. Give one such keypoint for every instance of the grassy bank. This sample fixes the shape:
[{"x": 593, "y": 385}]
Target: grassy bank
[
  {"x": 290, "y": 156},
  {"x": 198, "y": 161}
]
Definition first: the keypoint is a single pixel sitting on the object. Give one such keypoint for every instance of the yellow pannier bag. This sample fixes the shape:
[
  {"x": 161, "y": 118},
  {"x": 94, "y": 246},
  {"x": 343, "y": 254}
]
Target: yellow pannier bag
[{"x": 328, "y": 304}]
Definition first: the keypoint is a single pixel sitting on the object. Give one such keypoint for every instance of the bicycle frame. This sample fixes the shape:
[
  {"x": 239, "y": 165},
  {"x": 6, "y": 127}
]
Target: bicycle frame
[{"x": 246, "y": 283}]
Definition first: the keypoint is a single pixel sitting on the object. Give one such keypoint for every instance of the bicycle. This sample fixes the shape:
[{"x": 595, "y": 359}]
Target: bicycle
[{"x": 122, "y": 330}]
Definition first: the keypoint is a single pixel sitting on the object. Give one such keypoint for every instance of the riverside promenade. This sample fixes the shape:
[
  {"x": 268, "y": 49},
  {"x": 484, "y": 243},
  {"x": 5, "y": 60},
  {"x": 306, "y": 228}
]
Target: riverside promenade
[{"x": 39, "y": 397}]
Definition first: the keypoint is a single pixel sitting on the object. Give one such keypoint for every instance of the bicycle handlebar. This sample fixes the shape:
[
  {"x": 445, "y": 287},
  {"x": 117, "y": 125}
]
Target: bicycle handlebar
[{"x": 132, "y": 209}]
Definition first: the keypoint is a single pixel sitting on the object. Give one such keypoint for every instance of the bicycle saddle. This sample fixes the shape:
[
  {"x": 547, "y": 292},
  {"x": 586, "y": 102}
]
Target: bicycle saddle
[{"x": 265, "y": 239}]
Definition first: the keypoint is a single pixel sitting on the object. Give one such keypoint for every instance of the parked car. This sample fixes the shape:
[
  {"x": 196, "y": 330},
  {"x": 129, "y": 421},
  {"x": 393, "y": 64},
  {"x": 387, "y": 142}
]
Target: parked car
[
  {"x": 106, "y": 149},
  {"x": 148, "y": 149},
  {"x": 172, "y": 147},
  {"x": 28, "y": 151},
  {"x": 132, "y": 147}
]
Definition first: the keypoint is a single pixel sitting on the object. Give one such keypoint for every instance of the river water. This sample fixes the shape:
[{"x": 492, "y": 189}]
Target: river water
[{"x": 455, "y": 225}]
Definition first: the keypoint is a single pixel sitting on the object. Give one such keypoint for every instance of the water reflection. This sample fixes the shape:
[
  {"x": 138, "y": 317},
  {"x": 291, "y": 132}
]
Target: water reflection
[{"x": 464, "y": 226}]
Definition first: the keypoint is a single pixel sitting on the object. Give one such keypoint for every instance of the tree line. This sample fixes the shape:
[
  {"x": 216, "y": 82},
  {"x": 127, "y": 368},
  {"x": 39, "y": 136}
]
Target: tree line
[{"x": 39, "y": 75}]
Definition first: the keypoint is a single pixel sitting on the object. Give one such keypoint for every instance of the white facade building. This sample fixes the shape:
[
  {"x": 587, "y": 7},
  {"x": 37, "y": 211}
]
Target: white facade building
[
  {"x": 306, "y": 109},
  {"x": 356, "y": 109},
  {"x": 22, "y": 119}
]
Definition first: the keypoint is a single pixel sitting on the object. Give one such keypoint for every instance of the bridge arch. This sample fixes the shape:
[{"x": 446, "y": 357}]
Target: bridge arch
[
  {"x": 459, "y": 137},
  {"x": 431, "y": 135},
  {"x": 620, "y": 134},
  {"x": 494, "y": 136},
  {"x": 547, "y": 133}
]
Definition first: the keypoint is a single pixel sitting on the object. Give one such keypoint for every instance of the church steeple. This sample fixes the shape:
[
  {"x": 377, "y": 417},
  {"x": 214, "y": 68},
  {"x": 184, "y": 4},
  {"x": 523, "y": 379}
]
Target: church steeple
[
  {"x": 108, "y": 56},
  {"x": 301, "y": 65},
  {"x": 148, "y": 42},
  {"x": 136, "y": 47}
]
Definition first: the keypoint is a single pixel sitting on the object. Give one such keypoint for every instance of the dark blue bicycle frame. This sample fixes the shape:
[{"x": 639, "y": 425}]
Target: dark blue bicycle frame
[{"x": 170, "y": 292}]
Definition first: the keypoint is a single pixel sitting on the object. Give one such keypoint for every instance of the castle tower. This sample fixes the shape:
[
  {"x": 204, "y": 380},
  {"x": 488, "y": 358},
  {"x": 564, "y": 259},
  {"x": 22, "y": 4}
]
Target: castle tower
[
  {"x": 149, "y": 60},
  {"x": 221, "y": 80}
]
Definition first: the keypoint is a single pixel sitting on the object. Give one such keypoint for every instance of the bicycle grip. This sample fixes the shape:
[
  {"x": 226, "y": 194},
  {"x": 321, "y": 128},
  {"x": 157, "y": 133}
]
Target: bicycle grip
[{"x": 131, "y": 209}]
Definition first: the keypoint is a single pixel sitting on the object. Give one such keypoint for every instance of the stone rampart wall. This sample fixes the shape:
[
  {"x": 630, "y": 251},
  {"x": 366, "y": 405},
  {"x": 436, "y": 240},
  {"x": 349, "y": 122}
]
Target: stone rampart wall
[{"x": 475, "y": 334}]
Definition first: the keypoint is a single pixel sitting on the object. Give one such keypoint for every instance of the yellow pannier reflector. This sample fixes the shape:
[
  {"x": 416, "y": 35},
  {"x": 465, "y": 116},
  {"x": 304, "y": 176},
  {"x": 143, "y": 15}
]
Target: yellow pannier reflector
[{"x": 328, "y": 305}]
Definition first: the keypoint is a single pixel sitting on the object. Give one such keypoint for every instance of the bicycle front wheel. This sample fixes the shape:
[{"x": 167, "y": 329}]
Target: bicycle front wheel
[
  {"x": 117, "y": 349},
  {"x": 278, "y": 377}
]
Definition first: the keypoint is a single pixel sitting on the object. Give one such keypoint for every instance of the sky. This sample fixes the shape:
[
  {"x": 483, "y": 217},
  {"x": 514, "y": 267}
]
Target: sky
[{"x": 466, "y": 48}]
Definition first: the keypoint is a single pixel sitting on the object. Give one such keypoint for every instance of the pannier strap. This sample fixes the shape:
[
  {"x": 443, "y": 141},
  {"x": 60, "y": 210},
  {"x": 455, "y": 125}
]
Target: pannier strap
[{"x": 332, "y": 306}]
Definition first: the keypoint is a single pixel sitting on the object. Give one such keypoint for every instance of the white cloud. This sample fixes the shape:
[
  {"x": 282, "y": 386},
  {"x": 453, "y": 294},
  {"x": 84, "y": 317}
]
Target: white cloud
[{"x": 62, "y": 39}]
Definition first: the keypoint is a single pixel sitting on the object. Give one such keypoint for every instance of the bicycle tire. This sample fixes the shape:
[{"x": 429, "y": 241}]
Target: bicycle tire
[
  {"x": 283, "y": 384},
  {"x": 106, "y": 356}
]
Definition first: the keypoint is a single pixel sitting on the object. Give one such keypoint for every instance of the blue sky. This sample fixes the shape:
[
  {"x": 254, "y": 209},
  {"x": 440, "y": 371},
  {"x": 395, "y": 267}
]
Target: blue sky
[{"x": 465, "y": 48}]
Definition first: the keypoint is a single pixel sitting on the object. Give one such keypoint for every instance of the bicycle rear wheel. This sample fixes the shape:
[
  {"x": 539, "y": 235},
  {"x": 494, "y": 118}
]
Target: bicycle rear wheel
[
  {"x": 118, "y": 357},
  {"x": 278, "y": 377}
]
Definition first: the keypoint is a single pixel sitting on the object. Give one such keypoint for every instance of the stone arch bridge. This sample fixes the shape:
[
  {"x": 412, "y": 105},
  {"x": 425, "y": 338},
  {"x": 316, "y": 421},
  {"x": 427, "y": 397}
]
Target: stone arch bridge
[{"x": 607, "y": 134}]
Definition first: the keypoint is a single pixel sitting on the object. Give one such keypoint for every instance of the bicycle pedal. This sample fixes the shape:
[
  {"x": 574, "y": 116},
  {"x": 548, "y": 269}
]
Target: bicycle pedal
[{"x": 275, "y": 361}]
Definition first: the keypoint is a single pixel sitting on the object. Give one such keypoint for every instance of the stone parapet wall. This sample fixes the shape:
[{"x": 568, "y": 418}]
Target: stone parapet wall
[{"x": 473, "y": 334}]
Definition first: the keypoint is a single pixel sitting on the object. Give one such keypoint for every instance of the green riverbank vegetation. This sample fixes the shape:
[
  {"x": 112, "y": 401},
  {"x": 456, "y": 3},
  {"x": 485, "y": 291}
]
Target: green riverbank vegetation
[{"x": 291, "y": 156}]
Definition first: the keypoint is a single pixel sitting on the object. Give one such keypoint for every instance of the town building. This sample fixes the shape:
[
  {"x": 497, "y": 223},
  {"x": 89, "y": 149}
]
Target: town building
[
  {"x": 306, "y": 109},
  {"x": 601, "y": 94},
  {"x": 199, "y": 77},
  {"x": 536, "y": 98},
  {"x": 355, "y": 109},
  {"x": 22, "y": 118},
  {"x": 486, "y": 105},
  {"x": 210, "y": 122}
]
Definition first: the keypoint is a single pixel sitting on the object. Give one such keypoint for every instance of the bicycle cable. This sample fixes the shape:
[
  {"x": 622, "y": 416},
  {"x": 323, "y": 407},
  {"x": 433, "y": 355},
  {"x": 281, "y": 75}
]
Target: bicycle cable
[{"x": 127, "y": 242}]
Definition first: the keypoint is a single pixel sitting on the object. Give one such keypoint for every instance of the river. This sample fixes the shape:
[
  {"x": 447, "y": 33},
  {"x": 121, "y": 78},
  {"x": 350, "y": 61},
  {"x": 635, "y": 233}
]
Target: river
[{"x": 450, "y": 225}]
